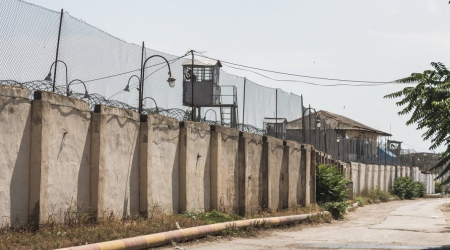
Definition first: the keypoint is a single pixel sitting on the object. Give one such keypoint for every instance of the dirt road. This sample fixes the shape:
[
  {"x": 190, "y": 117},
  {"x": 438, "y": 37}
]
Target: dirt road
[{"x": 395, "y": 225}]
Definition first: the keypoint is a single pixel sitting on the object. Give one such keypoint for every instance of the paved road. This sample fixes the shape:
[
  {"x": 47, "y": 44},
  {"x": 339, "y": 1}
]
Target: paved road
[{"x": 395, "y": 225}]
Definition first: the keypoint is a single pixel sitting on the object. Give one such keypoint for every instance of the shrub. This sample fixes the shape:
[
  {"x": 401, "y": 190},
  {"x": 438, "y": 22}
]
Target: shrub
[
  {"x": 336, "y": 209},
  {"x": 437, "y": 187},
  {"x": 405, "y": 188},
  {"x": 331, "y": 185},
  {"x": 378, "y": 194},
  {"x": 419, "y": 189}
]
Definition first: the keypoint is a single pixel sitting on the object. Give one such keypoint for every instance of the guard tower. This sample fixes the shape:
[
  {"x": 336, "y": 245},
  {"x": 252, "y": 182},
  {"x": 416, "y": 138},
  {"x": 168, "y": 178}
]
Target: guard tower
[{"x": 207, "y": 92}]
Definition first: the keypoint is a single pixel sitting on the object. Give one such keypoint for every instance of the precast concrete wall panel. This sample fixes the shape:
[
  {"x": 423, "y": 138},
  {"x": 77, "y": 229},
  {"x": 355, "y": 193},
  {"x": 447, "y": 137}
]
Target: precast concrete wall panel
[
  {"x": 398, "y": 172},
  {"x": 159, "y": 164},
  {"x": 375, "y": 176},
  {"x": 15, "y": 120},
  {"x": 276, "y": 171},
  {"x": 195, "y": 174},
  {"x": 224, "y": 169},
  {"x": 381, "y": 177},
  {"x": 392, "y": 176},
  {"x": 305, "y": 175},
  {"x": 369, "y": 178},
  {"x": 403, "y": 173},
  {"x": 362, "y": 177},
  {"x": 250, "y": 173},
  {"x": 313, "y": 170},
  {"x": 115, "y": 161},
  {"x": 293, "y": 156},
  {"x": 60, "y": 157},
  {"x": 354, "y": 166},
  {"x": 408, "y": 172}
]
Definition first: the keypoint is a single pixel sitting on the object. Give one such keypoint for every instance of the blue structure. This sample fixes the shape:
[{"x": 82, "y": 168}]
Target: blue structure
[{"x": 387, "y": 156}]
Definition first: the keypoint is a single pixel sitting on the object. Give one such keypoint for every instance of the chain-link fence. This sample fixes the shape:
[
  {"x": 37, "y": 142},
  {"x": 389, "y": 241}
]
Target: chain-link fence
[{"x": 38, "y": 43}]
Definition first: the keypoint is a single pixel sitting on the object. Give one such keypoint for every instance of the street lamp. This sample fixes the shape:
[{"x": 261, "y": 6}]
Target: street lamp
[
  {"x": 127, "y": 88},
  {"x": 69, "y": 92},
  {"x": 49, "y": 76},
  {"x": 318, "y": 123},
  {"x": 215, "y": 114},
  {"x": 156, "y": 105},
  {"x": 170, "y": 80}
]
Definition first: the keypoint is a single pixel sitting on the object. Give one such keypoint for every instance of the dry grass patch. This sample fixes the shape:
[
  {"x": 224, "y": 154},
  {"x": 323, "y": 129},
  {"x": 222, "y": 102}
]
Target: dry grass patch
[{"x": 79, "y": 229}]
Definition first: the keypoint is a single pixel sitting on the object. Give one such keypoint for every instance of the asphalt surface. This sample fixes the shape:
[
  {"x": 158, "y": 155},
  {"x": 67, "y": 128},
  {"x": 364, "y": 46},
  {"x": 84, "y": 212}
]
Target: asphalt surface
[{"x": 416, "y": 224}]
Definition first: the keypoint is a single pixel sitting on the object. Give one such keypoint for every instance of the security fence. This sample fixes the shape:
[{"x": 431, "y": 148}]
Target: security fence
[
  {"x": 38, "y": 43},
  {"x": 41, "y": 48}
]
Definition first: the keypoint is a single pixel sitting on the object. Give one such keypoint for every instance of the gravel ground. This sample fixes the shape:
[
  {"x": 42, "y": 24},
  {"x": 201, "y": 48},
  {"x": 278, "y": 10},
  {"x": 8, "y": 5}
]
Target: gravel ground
[{"x": 418, "y": 224}]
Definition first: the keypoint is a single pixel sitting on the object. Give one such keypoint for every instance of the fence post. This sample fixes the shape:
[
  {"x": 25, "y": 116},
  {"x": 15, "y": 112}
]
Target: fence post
[
  {"x": 276, "y": 113},
  {"x": 243, "y": 105},
  {"x": 141, "y": 80},
  {"x": 57, "y": 48}
]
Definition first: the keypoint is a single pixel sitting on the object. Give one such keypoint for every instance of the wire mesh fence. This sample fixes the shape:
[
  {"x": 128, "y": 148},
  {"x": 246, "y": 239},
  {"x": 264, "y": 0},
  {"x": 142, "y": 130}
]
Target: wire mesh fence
[{"x": 38, "y": 43}]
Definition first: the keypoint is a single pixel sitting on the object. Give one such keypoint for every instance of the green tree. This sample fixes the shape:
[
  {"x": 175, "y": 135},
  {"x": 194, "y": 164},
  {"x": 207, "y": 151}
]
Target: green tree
[{"x": 428, "y": 103}]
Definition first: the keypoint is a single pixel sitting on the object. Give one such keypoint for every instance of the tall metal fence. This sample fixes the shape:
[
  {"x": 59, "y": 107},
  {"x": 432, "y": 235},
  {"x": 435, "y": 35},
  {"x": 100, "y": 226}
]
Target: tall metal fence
[{"x": 33, "y": 38}]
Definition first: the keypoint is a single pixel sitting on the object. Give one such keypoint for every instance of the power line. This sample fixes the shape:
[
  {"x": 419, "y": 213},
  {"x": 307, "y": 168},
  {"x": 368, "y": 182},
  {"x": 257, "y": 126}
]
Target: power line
[
  {"x": 311, "y": 83},
  {"x": 290, "y": 74},
  {"x": 124, "y": 73},
  {"x": 133, "y": 85}
]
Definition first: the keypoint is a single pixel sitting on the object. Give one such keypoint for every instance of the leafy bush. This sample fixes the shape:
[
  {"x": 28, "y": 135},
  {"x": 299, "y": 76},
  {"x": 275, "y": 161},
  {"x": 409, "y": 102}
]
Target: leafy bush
[
  {"x": 437, "y": 187},
  {"x": 336, "y": 209},
  {"x": 331, "y": 185},
  {"x": 378, "y": 194},
  {"x": 419, "y": 189},
  {"x": 405, "y": 188}
]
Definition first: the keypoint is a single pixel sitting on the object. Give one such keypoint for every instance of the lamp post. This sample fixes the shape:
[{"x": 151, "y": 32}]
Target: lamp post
[
  {"x": 127, "y": 88},
  {"x": 156, "y": 105},
  {"x": 170, "y": 80},
  {"x": 318, "y": 123},
  {"x": 69, "y": 93},
  {"x": 215, "y": 114},
  {"x": 49, "y": 76}
]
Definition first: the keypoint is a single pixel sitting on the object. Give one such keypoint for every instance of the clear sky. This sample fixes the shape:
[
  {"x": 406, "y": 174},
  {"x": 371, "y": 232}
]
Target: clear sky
[{"x": 380, "y": 40}]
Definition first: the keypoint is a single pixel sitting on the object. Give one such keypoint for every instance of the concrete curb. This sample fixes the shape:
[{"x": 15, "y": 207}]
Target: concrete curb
[{"x": 160, "y": 239}]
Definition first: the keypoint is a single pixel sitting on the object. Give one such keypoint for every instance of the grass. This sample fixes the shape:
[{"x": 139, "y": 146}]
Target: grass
[
  {"x": 373, "y": 197},
  {"x": 80, "y": 229}
]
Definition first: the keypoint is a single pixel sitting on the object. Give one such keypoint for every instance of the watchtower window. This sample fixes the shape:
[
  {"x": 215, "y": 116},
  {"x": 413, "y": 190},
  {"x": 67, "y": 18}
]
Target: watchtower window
[{"x": 202, "y": 74}]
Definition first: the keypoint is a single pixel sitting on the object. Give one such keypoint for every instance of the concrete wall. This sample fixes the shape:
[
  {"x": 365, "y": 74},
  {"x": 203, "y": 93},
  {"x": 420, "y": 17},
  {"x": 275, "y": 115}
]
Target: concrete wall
[
  {"x": 362, "y": 177},
  {"x": 159, "y": 164},
  {"x": 313, "y": 170},
  {"x": 305, "y": 175},
  {"x": 115, "y": 161},
  {"x": 195, "y": 169},
  {"x": 381, "y": 177},
  {"x": 355, "y": 176},
  {"x": 59, "y": 157},
  {"x": 15, "y": 120},
  {"x": 276, "y": 167},
  {"x": 224, "y": 169},
  {"x": 293, "y": 153},
  {"x": 250, "y": 173}
]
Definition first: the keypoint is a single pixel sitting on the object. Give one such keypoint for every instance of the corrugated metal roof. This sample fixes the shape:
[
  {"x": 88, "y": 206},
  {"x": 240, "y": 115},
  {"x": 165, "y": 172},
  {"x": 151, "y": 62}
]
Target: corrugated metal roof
[
  {"x": 274, "y": 120},
  {"x": 337, "y": 122},
  {"x": 203, "y": 62}
]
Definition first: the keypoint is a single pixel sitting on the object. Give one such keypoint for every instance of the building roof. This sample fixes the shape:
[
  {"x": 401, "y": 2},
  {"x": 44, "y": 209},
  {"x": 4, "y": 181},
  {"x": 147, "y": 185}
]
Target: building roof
[
  {"x": 203, "y": 62},
  {"x": 274, "y": 120},
  {"x": 338, "y": 122}
]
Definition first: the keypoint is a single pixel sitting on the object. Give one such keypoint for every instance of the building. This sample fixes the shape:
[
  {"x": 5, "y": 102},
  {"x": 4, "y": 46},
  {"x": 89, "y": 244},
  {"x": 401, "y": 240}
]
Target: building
[{"x": 361, "y": 141}]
